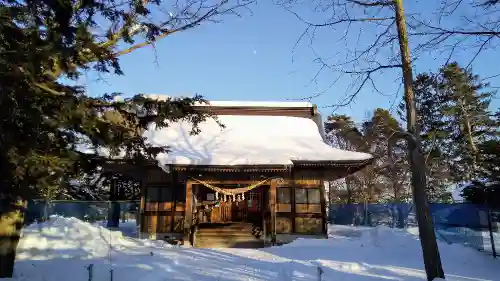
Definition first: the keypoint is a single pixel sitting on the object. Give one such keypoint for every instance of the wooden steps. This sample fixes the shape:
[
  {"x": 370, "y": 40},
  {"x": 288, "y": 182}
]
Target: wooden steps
[{"x": 227, "y": 235}]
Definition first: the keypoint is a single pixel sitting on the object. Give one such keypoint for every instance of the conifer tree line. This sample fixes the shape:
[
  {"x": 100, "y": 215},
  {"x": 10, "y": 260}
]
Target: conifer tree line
[{"x": 460, "y": 134}]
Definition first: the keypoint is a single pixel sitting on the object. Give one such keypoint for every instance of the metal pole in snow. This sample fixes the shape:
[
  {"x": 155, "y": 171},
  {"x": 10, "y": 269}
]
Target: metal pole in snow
[
  {"x": 490, "y": 228},
  {"x": 90, "y": 269}
]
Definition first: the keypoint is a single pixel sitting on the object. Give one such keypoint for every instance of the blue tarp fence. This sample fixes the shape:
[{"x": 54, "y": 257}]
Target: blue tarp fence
[
  {"x": 39, "y": 210},
  {"x": 462, "y": 223}
]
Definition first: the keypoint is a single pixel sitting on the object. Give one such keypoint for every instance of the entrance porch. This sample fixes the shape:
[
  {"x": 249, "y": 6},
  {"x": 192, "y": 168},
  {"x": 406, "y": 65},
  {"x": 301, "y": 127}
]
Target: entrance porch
[
  {"x": 224, "y": 214},
  {"x": 212, "y": 207}
]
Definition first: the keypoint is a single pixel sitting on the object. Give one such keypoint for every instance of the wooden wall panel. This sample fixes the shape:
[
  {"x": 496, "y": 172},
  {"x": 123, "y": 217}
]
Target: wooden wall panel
[
  {"x": 307, "y": 182},
  {"x": 149, "y": 224},
  {"x": 179, "y": 207},
  {"x": 314, "y": 208},
  {"x": 179, "y": 224},
  {"x": 301, "y": 208},
  {"x": 165, "y": 206},
  {"x": 151, "y": 206},
  {"x": 309, "y": 225},
  {"x": 284, "y": 208},
  {"x": 309, "y": 215},
  {"x": 283, "y": 225},
  {"x": 308, "y": 208},
  {"x": 163, "y": 224}
]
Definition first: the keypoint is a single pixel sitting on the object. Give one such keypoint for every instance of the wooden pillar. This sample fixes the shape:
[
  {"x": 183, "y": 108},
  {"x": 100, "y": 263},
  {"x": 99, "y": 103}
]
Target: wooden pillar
[
  {"x": 293, "y": 209},
  {"x": 188, "y": 212},
  {"x": 175, "y": 192},
  {"x": 323, "y": 202},
  {"x": 272, "y": 208},
  {"x": 142, "y": 204}
]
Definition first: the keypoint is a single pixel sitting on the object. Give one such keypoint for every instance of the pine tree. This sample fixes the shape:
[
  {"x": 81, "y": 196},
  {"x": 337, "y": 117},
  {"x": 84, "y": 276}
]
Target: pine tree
[
  {"x": 392, "y": 164},
  {"x": 486, "y": 189},
  {"x": 387, "y": 178},
  {"x": 467, "y": 118},
  {"x": 455, "y": 120},
  {"x": 433, "y": 134},
  {"x": 44, "y": 118},
  {"x": 342, "y": 132}
]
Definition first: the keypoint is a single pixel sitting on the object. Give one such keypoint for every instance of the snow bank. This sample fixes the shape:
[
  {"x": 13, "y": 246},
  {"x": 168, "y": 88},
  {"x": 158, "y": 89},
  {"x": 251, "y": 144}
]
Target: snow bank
[
  {"x": 62, "y": 249},
  {"x": 74, "y": 239}
]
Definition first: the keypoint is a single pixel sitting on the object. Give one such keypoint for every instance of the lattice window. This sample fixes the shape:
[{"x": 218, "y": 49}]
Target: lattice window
[
  {"x": 284, "y": 195},
  {"x": 284, "y": 199},
  {"x": 253, "y": 200},
  {"x": 153, "y": 194},
  {"x": 308, "y": 200}
]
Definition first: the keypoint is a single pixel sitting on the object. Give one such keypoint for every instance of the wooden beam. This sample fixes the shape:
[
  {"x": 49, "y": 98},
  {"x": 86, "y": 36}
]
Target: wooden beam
[
  {"x": 260, "y": 111},
  {"x": 141, "y": 205},
  {"x": 323, "y": 209},
  {"x": 272, "y": 208},
  {"x": 188, "y": 212},
  {"x": 286, "y": 182},
  {"x": 294, "y": 211},
  {"x": 173, "y": 180}
]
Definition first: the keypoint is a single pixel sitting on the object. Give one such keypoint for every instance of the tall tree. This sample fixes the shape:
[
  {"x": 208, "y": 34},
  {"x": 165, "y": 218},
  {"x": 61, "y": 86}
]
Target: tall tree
[
  {"x": 384, "y": 180},
  {"x": 467, "y": 118},
  {"x": 455, "y": 120},
  {"x": 385, "y": 22},
  {"x": 486, "y": 189},
  {"x": 342, "y": 132},
  {"x": 44, "y": 119},
  {"x": 431, "y": 122},
  {"x": 392, "y": 161}
]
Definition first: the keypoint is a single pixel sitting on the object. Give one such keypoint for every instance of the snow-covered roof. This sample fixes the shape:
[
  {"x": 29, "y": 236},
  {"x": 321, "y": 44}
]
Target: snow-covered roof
[
  {"x": 248, "y": 139},
  {"x": 241, "y": 103},
  {"x": 260, "y": 103}
]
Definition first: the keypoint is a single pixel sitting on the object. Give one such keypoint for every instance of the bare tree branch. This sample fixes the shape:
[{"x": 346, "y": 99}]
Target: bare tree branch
[
  {"x": 372, "y": 4},
  {"x": 136, "y": 24}
]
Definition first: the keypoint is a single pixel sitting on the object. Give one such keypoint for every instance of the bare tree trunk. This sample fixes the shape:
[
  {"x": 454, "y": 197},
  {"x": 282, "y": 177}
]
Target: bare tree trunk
[
  {"x": 11, "y": 222},
  {"x": 432, "y": 259}
]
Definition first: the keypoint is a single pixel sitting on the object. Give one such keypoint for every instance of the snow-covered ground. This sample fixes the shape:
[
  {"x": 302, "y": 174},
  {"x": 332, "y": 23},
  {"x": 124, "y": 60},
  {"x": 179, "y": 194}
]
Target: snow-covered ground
[
  {"x": 476, "y": 239},
  {"x": 63, "y": 248}
]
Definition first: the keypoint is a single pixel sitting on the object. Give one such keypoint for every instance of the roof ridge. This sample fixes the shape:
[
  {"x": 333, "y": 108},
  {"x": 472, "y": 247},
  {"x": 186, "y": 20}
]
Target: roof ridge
[{"x": 242, "y": 103}]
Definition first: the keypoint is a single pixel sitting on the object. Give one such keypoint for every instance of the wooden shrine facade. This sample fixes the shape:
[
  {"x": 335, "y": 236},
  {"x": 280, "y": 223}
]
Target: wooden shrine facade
[
  {"x": 291, "y": 201},
  {"x": 285, "y": 199}
]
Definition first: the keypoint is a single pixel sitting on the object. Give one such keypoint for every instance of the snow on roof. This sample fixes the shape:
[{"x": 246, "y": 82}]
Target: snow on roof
[
  {"x": 247, "y": 140},
  {"x": 241, "y": 103},
  {"x": 261, "y": 103}
]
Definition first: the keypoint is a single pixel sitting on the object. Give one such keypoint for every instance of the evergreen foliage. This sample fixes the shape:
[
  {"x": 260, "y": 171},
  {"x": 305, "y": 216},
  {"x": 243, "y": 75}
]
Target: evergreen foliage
[
  {"x": 460, "y": 142},
  {"x": 51, "y": 130}
]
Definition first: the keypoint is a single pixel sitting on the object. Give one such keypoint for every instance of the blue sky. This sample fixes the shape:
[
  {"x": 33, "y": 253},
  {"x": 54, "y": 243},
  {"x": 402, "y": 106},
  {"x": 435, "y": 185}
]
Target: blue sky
[{"x": 253, "y": 58}]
